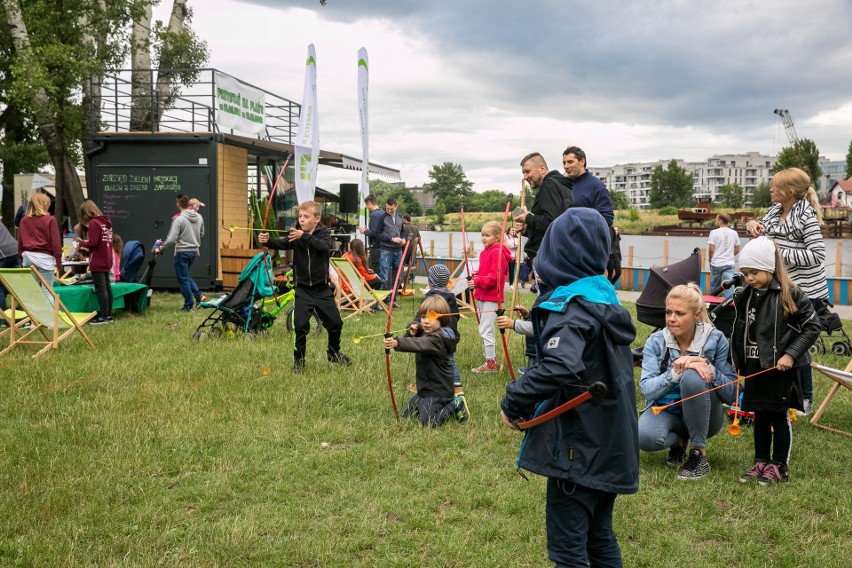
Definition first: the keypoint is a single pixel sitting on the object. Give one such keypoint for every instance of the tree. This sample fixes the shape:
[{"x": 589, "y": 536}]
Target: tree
[
  {"x": 619, "y": 199},
  {"x": 178, "y": 54},
  {"x": 760, "y": 196},
  {"x": 670, "y": 186},
  {"x": 449, "y": 185},
  {"x": 805, "y": 155},
  {"x": 731, "y": 195},
  {"x": 849, "y": 161}
]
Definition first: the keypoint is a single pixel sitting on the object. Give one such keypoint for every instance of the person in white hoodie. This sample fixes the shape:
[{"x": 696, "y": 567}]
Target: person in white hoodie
[{"x": 185, "y": 234}]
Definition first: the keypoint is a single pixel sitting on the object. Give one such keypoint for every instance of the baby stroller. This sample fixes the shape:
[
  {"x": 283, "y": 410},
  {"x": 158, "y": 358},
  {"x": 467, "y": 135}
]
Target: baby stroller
[
  {"x": 830, "y": 323},
  {"x": 243, "y": 312}
]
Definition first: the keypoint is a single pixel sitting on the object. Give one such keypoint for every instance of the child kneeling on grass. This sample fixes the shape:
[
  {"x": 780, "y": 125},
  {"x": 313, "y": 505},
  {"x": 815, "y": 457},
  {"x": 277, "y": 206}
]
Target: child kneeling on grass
[
  {"x": 433, "y": 341},
  {"x": 774, "y": 328}
]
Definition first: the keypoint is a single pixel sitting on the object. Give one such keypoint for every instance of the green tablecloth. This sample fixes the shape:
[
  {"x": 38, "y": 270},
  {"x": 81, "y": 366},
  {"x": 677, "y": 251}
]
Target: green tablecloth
[{"x": 82, "y": 298}]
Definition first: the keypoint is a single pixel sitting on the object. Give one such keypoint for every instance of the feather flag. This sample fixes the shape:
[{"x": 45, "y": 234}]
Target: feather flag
[
  {"x": 307, "y": 140},
  {"x": 363, "y": 88}
]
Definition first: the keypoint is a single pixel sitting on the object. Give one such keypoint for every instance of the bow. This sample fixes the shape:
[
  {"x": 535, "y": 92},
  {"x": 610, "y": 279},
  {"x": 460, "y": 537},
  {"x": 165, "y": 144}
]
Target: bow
[
  {"x": 501, "y": 282},
  {"x": 595, "y": 390},
  {"x": 388, "y": 328},
  {"x": 466, "y": 265},
  {"x": 274, "y": 189},
  {"x": 657, "y": 409}
]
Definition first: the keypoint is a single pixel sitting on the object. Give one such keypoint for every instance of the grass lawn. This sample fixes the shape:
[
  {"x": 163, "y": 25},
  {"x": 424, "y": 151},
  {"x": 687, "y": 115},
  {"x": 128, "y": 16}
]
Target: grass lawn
[{"x": 157, "y": 450}]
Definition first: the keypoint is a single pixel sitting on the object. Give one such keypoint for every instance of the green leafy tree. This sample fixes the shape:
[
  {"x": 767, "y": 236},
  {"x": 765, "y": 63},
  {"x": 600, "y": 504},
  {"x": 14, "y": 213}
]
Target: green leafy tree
[
  {"x": 619, "y": 200},
  {"x": 731, "y": 195},
  {"x": 805, "y": 155},
  {"x": 849, "y": 161},
  {"x": 760, "y": 197},
  {"x": 449, "y": 185},
  {"x": 492, "y": 200},
  {"x": 670, "y": 186}
]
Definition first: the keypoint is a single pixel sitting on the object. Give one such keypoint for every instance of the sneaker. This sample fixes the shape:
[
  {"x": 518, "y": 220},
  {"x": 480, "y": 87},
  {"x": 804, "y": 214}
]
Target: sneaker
[
  {"x": 99, "y": 320},
  {"x": 755, "y": 472},
  {"x": 696, "y": 466},
  {"x": 187, "y": 309},
  {"x": 298, "y": 365},
  {"x": 340, "y": 359},
  {"x": 490, "y": 366},
  {"x": 774, "y": 472},
  {"x": 677, "y": 454},
  {"x": 809, "y": 407},
  {"x": 462, "y": 412}
]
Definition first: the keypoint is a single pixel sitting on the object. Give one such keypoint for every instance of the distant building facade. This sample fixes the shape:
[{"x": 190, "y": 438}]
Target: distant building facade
[{"x": 424, "y": 197}]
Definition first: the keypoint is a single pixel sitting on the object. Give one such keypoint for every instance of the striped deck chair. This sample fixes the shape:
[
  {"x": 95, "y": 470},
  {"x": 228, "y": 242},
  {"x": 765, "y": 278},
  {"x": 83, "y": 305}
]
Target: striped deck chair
[
  {"x": 361, "y": 298},
  {"x": 46, "y": 323}
]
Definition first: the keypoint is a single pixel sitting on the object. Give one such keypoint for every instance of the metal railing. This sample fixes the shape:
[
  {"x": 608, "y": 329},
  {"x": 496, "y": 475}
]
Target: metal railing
[{"x": 192, "y": 109}]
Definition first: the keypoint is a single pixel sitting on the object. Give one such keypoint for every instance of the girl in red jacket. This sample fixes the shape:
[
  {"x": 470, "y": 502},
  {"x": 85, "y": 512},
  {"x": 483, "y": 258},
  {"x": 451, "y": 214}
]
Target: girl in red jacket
[
  {"x": 488, "y": 283},
  {"x": 100, "y": 256}
]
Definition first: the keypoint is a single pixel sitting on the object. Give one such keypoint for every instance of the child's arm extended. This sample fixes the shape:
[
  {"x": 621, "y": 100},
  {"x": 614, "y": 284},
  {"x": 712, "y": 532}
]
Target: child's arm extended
[
  {"x": 427, "y": 343},
  {"x": 561, "y": 365}
]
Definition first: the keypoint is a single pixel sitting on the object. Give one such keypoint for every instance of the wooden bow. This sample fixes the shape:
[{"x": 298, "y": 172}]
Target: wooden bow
[
  {"x": 595, "y": 390},
  {"x": 388, "y": 328},
  {"x": 466, "y": 265}
]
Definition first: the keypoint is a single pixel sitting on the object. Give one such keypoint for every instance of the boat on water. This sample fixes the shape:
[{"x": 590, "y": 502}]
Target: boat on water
[{"x": 701, "y": 212}]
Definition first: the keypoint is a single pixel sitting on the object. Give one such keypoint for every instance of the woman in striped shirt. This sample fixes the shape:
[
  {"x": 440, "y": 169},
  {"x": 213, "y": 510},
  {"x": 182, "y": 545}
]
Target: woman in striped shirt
[{"x": 794, "y": 222}]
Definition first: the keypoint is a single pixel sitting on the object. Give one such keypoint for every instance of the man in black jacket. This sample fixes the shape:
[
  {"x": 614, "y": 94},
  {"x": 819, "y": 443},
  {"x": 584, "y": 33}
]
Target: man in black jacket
[
  {"x": 553, "y": 197},
  {"x": 311, "y": 246}
]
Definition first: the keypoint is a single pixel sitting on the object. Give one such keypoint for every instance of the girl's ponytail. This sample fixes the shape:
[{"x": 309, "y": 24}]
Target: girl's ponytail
[{"x": 788, "y": 306}]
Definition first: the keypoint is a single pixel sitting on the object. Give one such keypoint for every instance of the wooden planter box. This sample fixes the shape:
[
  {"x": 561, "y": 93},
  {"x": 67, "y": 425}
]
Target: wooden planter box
[{"x": 232, "y": 262}]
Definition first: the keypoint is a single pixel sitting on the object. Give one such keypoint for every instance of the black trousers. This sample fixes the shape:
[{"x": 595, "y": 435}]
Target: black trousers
[
  {"x": 769, "y": 427},
  {"x": 374, "y": 259},
  {"x": 104, "y": 293},
  {"x": 579, "y": 526},
  {"x": 319, "y": 299}
]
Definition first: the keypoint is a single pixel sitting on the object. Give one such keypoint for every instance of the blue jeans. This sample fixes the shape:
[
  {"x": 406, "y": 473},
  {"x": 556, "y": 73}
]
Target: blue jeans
[
  {"x": 188, "y": 287},
  {"x": 8, "y": 262},
  {"x": 388, "y": 267},
  {"x": 700, "y": 418},
  {"x": 579, "y": 526},
  {"x": 719, "y": 274}
]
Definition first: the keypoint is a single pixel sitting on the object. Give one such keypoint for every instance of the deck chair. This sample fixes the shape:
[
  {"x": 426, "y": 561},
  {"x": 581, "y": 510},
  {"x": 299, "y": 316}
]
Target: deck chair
[
  {"x": 458, "y": 285},
  {"x": 841, "y": 379},
  {"x": 361, "y": 297},
  {"x": 45, "y": 324}
]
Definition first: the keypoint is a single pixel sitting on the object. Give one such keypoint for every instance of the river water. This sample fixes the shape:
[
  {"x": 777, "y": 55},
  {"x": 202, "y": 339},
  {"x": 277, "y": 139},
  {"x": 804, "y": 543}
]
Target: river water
[{"x": 647, "y": 250}]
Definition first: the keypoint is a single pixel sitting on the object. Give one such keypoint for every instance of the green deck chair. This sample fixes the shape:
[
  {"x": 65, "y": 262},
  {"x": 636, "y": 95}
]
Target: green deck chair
[
  {"x": 361, "y": 297},
  {"x": 45, "y": 324}
]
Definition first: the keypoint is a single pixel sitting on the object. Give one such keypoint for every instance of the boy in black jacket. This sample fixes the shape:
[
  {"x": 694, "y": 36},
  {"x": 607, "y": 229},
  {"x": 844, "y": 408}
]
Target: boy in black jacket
[
  {"x": 312, "y": 246},
  {"x": 433, "y": 343}
]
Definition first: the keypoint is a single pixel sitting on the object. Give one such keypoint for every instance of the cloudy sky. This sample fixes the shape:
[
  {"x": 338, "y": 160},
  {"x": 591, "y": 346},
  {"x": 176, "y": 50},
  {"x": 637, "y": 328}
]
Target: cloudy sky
[{"x": 483, "y": 82}]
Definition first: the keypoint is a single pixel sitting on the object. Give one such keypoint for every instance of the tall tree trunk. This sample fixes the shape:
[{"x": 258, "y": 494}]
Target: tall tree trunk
[
  {"x": 142, "y": 75},
  {"x": 91, "y": 95},
  {"x": 165, "y": 74},
  {"x": 46, "y": 123}
]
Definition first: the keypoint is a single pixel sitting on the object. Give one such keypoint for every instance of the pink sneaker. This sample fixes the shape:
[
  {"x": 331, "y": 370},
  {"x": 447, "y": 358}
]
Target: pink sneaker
[{"x": 490, "y": 366}]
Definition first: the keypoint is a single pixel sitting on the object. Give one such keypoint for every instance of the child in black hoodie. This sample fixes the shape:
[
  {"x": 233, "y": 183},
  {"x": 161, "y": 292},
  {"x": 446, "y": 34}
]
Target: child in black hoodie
[{"x": 433, "y": 341}]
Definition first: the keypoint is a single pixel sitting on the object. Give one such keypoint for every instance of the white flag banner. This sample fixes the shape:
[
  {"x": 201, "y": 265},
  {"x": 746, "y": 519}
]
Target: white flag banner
[
  {"x": 40, "y": 181},
  {"x": 363, "y": 89},
  {"x": 307, "y": 140},
  {"x": 238, "y": 106}
]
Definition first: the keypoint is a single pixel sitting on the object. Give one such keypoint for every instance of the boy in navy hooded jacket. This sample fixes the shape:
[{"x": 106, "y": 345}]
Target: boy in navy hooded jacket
[{"x": 589, "y": 454}]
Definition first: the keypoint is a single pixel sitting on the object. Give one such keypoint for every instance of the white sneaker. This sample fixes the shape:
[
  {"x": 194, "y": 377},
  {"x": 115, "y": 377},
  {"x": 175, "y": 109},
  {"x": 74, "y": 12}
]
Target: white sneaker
[{"x": 809, "y": 407}]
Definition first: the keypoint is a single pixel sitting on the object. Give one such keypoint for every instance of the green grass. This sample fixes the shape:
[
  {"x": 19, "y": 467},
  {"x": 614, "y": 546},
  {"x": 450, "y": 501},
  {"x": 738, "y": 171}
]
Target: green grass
[{"x": 158, "y": 450}]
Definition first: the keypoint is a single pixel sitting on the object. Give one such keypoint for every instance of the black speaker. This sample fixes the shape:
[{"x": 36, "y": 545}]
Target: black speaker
[{"x": 348, "y": 197}]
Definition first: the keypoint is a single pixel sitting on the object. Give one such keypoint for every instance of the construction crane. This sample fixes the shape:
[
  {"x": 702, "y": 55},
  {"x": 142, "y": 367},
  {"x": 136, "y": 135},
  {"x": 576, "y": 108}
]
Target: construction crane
[{"x": 788, "y": 125}]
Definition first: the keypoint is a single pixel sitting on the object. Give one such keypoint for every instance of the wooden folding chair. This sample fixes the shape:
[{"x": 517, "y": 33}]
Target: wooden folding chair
[
  {"x": 842, "y": 379},
  {"x": 47, "y": 321},
  {"x": 361, "y": 297},
  {"x": 458, "y": 285}
]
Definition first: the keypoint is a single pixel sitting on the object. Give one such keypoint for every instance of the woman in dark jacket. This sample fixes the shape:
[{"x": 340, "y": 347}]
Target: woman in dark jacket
[{"x": 589, "y": 454}]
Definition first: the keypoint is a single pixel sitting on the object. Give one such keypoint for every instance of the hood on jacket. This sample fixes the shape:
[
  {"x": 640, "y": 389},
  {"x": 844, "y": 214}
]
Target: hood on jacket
[
  {"x": 560, "y": 178},
  {"x": 702, "y": 332},
  {"x": 190, "y": 215},
  {"x": 103, "y": 220},
  {"x": 576, "y": 245}
]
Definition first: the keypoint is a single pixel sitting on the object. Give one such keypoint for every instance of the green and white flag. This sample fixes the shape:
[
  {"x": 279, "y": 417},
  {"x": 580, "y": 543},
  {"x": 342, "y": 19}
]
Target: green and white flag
[
  {"x": 363, "y": 87},
  {"x": 307, "y": 140}
]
